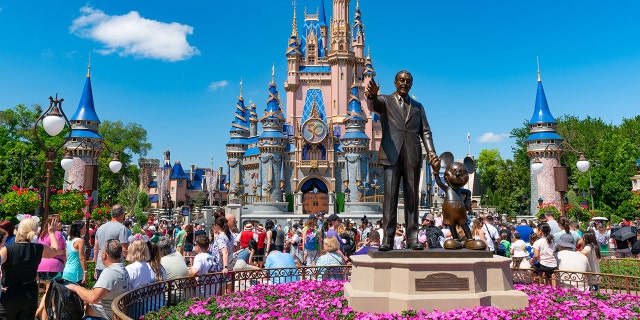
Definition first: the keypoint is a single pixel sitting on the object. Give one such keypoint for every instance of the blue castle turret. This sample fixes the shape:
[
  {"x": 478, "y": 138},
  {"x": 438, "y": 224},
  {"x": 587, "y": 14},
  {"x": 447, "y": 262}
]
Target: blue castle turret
[
  {"x": 84, "y": 143},
  {"x": 271, "y": 144},
  {"x": 237, "y": 146},
  {"x": 355, "y": 144},
  {"x": 544, "y": 145}
]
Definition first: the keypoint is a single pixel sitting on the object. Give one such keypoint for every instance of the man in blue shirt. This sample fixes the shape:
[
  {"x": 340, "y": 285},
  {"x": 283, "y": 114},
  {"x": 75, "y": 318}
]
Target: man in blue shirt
[
  {"x": 524, "y": 230},
  {"x": 278, "y": 259}
]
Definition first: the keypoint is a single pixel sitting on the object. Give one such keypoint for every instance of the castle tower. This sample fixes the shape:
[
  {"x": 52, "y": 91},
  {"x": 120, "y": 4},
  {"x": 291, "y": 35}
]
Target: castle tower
[
  {"x": 148, "y": 169},
  {"x": 84, "y": 144},
  {"x": 355, "y": 144},
  {"x": 322, "y": 22},
  {"x": 357, "y": 34},
  {"x": 271, "y": 143},
  {"x": 237, "y": 146},
  {"x": 253, "y": 120},
  {"x": 178, "y": 184},
  {"x": 545, "y": 145}
]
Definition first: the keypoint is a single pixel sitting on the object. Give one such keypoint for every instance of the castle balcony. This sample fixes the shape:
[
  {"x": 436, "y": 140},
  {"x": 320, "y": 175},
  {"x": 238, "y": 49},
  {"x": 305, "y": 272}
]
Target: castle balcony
[{"x": 307, "y": 165}]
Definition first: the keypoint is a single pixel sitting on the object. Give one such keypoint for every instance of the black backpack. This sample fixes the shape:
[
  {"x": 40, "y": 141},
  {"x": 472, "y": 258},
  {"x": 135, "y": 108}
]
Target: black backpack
[
  {"x": 348, "y": 244},
  {"x": 433, "y": 237},
  {"x": 62, "y": 303}
]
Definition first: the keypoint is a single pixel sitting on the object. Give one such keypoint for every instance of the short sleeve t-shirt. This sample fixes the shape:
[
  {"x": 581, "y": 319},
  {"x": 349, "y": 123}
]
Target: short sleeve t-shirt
[
  {"x": 140, "y": 274},
  {"x": 547, "y": 257},
  {"x": 108, "y": 231},
  {"x": 115, "y": 279},
  {"x": 204, "y": 263}
]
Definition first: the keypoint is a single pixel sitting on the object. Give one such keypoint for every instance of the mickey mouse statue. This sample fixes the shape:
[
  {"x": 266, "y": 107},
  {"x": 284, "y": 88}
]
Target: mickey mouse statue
[{"x": 454, "y": 209}]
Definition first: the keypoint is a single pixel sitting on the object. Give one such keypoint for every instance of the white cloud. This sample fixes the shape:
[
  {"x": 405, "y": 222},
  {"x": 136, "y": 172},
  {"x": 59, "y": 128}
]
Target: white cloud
[
  {"x": 133, "y": 35},
  {"x": 213, "y": 86},
  {"x": 492, "y": 137}
]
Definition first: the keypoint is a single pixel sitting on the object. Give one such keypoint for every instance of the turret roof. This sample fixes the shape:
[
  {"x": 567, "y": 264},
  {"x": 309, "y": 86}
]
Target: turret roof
[
  {"x": 541, "y": 112},
  {"x": 178, "y": 172},
  {"x": 86, "y": 110}
]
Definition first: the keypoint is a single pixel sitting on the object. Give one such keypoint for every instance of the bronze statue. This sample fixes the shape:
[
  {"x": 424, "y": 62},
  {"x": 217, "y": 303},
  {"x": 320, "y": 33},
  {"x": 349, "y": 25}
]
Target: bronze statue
[
  {"x": 454, "y": 209},
  {"x": 404, "y": 127}
]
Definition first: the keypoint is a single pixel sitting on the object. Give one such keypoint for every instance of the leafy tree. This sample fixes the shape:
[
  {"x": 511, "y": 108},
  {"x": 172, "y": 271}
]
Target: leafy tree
[
  {"x": 488, "y": 164},
  {"x": 127, "y": 139},
  {"x": 128, "y": 196},
  {"x": 143, "y": 200},
  {"x": 198, "y": 198}
]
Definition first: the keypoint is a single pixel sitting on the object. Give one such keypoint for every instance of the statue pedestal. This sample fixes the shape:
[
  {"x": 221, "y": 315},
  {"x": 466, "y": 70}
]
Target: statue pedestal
[{"x": 434, "y": 279}]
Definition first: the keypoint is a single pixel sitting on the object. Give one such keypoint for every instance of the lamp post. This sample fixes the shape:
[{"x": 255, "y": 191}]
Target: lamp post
[
  {"x": 53, "y": 121},
  {"x": 560, "y": 172}
]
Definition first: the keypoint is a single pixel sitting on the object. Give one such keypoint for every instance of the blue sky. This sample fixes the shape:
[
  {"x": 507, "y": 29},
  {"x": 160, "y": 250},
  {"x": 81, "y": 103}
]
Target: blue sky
[{"x": 174, "y": 67}]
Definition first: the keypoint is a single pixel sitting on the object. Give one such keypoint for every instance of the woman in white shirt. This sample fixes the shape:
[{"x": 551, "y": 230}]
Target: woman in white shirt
[
  {"x": 544, "y": 259},
  {"x": 139, "y": 270},
  {"x": 203, "y": 263}
]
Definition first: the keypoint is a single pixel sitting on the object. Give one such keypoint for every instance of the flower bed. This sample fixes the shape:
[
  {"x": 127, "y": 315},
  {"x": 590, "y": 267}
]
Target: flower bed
[{"x": 324, "y": 300}]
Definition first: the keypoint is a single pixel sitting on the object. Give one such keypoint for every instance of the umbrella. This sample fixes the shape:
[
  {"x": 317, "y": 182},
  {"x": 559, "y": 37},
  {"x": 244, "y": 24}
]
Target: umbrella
[
  {"x": 624, "y": 233},
  {"x": 599, "y": 219}
]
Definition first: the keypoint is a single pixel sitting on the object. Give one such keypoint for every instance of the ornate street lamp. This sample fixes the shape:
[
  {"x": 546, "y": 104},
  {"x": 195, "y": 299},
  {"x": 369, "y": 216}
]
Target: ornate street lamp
[{"x": 53, "y": 120}]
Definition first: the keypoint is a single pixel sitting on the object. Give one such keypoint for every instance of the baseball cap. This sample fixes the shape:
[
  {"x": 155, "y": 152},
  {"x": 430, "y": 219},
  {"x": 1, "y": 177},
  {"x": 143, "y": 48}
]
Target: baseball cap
[
  {"x": 428, "y": 216},
  {"x": 333, "y": 217},
  {"x": 312, "y": 216}
]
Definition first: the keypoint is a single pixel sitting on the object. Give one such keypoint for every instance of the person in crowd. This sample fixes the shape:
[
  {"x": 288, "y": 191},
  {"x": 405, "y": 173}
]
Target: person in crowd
[
  {"x": 189, "y": 243},
  {"x": 261, "y": 244},
  {"x": 348, "y": 243},
  {"x": 20, "y": 261},
  {"x": 113, "y": 281},
  {"x": 477, "y": 232},
  {"x": 199, "y": 230},
  {"x": 503, "y": 228},
  {"x": 544, "y": 259},
  {"x": 276, "y": 260},
  {"x": 333, "y": 221},
  {"x": 222, "y": 246},
  {"x": 203, "y": 263},
  {"x": 242, "y": 262},
  {"x": 330, "y": 258},
  {"x": 155, "y": 263},
  {"x": 311, "y": 238},
  {"x": 504, "y": 242},
  {"x": 7, "y": 226},
  {"x": 622, "y": 247},
  {"x": 51, "y": 268},
  {"x": 246, "y": 235},
  {"x": 490, "y": 233},
  {"x": 370, "y": 243},
  {"x": 181, "y": 233},
  {"x": 293, "y": 243},
  {"x": 565, "y": 225},
  {"x": 591, "y": 250},
  {"x": 270, "y": 235},
  {"x": 113, "y": 229},
  {"x": 524, "y": 230},
  {"x": 575, "y": 227},
  {"x": 140, "y": 273},
  {"x": 550, "y": 219},
  {"x": 363, "y": 229},
  {"x": 398, "y": 240},
  {"x": 568, "y": 258},
  {"x": 171, "y": 260},
  {"x": 519, "y": 252},
  {"x": 75, "y": 270},
  {"x": 279, "y": 238},
  {"x": 602, "y": 237}
]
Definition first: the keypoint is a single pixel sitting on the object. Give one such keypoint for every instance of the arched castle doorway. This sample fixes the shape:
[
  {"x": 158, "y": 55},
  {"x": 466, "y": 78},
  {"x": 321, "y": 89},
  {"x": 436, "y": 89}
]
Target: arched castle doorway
[{"x": 315, "y": 197}]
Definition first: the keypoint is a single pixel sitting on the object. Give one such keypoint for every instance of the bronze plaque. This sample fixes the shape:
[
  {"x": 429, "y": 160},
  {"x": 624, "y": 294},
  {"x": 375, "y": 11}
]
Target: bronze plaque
[{"x": 442, "y": 282}]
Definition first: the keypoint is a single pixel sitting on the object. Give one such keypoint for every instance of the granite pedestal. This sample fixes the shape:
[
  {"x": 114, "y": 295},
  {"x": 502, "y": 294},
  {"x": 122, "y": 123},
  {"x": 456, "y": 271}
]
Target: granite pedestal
[{"x": 434, "y": 279}]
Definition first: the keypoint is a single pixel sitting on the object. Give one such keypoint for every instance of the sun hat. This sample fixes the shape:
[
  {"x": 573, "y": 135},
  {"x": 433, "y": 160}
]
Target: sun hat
[
  {"x": 566, "y": 240},
  {"x": 248, "y": 226}
]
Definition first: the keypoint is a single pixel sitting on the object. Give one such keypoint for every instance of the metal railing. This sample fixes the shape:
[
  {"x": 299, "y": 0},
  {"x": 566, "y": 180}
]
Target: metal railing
[{"x": 137, "y": 302}]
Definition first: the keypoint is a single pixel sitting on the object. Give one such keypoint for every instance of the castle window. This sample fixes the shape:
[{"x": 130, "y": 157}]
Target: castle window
[{"x": 180, "y": 183}]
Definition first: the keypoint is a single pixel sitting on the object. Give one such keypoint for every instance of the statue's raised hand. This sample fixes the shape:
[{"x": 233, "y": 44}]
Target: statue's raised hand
[{"x": 372, "y": 89}]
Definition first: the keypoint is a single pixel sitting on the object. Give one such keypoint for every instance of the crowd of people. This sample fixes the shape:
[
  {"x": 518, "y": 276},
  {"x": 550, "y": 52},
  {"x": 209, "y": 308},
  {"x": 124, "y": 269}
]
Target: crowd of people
[{"x": 126, "y": 259}]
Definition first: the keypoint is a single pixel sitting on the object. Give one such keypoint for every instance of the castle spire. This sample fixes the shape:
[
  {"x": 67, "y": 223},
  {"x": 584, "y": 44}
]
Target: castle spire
[
  {"x": 541, "y": 112},
  {"x": 293, "y": 47},
  {"x": 89, "y": 66},
  {"x": 538, "y": 62},
  {"x": 240, "y": 88}
]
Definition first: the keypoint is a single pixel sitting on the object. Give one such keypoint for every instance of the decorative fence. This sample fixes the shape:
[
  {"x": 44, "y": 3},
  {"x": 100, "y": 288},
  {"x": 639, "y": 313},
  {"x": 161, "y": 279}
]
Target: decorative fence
[{"x": 137, "y": 302}]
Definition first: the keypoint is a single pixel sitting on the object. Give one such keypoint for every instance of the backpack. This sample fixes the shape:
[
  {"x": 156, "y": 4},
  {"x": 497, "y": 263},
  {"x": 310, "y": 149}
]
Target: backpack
[
  {"x": 311, "y": 240},
  {"x": 433, "y": 235},
  {"x": 349, "y": 244},
  {"x": 62, "y": 303},
  {"x": 502, "y": 249}
]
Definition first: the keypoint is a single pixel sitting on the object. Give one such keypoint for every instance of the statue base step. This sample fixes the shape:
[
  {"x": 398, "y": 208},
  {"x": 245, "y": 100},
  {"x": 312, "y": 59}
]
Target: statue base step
[{"x": 431, "y": 280}]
